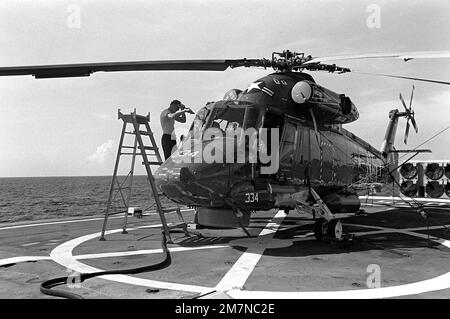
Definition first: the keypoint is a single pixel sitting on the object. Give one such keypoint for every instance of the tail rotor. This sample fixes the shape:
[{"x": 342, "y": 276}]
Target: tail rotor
[{"x": 409, "y": 114}]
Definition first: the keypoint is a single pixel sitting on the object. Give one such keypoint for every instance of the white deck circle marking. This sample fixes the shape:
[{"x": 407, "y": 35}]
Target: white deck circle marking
[
  {"x": 144, "y": 252},
  {"x": 62, "y": 254}
]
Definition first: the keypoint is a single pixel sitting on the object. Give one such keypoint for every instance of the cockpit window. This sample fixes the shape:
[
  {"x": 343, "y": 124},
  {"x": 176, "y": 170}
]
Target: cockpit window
[
  {"x": 227, "y": 118},
  {"x": 233, "y": 120}
]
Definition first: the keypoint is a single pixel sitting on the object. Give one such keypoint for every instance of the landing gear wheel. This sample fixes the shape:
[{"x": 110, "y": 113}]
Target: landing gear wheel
[
  {"x": 334, "y": 229},
  {"x": 319, "y": 228},
  {"x": 328, "y": 230}
]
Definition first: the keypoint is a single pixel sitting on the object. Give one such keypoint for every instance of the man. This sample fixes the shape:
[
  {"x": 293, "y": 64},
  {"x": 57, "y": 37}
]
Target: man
[{"x": 175, "y": 112}]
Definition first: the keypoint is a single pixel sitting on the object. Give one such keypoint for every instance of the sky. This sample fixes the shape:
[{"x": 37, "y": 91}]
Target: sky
[{"x": 69, "y": 127}]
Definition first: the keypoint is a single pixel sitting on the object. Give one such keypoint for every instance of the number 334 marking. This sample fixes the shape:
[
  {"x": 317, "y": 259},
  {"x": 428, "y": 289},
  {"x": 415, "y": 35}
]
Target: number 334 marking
[{"x": 251, "y": 197}]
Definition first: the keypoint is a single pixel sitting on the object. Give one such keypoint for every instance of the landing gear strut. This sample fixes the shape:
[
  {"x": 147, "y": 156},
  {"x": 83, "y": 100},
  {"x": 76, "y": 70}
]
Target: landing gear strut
[{"x": 327, "y": 226}]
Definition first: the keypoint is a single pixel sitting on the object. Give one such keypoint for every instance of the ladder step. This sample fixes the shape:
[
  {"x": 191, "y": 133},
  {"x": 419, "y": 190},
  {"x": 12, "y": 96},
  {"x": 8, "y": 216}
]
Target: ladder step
[
  {"x": 153, "y": 163},
  {"x": 151, "y": 148},
  {"x": 139, "y": 153},
  {"x": 140, "y": 132},
  {"x": 129, "y": 118}
]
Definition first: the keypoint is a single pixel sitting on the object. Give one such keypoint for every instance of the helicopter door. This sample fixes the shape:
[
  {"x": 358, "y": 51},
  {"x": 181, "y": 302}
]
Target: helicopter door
[
  {"x": 302, "y": 160},
  {"x": 271, "y": 121},
  {"x": 287, "y": 149},
  {"x": 327, "y": 159}
]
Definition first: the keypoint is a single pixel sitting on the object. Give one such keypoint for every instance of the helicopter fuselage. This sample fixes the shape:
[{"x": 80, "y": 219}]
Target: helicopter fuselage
[{"x": 310, "y": 149}]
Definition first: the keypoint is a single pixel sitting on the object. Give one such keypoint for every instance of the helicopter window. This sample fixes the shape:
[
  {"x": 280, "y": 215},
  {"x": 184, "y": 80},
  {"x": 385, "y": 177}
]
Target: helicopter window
[{"x": 226, "y": 119}]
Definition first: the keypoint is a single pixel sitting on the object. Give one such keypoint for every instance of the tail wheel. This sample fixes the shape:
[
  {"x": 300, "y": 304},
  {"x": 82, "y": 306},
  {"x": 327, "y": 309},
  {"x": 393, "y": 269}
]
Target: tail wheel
[
  {"x": 319, "y": 228},
  {"x": 334, "y": 229}
]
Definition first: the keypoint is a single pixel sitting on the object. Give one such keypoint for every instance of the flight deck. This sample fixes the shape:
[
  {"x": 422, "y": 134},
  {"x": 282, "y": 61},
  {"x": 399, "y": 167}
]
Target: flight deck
[{"x": 395, "y": 253}]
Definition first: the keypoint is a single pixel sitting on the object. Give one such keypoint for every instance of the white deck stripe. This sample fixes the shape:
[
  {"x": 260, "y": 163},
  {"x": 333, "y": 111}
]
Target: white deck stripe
[
  {"x": 434, "y": 284},
  {"x": 21, "y": 259},
  {"x": 407, "y": 199},
  {"x": 236, "y": 277},
  {"x": 396, "y": 230},
  {"x": 72, "y": 221},
  {"x": 30, "y": 244},
  {"x": 56, "y": 223}
]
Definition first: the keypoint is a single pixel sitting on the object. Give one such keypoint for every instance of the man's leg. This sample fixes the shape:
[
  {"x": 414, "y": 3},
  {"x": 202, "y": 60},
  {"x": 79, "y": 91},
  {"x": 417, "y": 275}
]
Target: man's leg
[
  {"x": 173, "y": 147},
  {"x": 166, "y": 142}
]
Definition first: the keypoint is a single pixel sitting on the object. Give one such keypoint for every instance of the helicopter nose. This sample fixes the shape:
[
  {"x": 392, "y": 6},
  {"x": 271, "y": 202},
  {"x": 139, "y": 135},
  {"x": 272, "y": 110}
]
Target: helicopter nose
[
  {"x": 192, "y": 184},
  {"x": 180, "y": 185},
  {"x": 167, "y": 179}
]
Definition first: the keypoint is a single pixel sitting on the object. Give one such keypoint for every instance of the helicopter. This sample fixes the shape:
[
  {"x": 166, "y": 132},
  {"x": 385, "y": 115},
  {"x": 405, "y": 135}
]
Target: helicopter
[{"x": 297, "y": 155}]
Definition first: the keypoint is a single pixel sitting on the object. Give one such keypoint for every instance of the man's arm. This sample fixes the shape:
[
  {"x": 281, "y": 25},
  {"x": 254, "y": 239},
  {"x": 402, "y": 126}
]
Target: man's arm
[
  {"x": 177, "y": 116},
  {"x": 180, "y": 116}
]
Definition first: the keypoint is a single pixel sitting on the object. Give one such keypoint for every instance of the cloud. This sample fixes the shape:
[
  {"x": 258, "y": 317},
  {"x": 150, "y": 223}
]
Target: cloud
[{"x": 101, "y": 153}]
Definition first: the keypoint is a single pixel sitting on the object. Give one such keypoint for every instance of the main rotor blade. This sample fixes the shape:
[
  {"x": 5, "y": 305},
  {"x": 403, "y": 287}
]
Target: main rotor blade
[
  {"x": 86, "y": 69},
  {"x": 402, "y": 55},
  {"x": 402, "y": 77}
]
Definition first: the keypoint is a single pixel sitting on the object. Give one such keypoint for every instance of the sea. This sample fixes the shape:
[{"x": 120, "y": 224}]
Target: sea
[{"x": 36, "y": 198}]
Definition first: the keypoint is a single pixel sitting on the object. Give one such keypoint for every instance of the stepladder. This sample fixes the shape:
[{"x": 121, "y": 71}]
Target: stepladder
[{"x": 144, "y": 146}]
